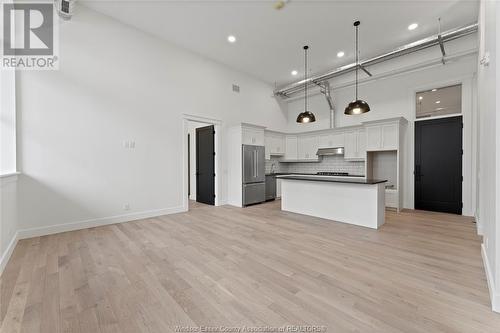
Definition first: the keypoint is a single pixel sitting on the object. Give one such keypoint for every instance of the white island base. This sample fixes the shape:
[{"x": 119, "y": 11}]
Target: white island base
[{"x": 357, "y": 203}]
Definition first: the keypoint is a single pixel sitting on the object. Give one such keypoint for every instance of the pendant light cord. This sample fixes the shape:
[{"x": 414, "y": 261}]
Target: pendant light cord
[
  {"x": 357, "y": 59},
  {"x": 305, "y": 77}
]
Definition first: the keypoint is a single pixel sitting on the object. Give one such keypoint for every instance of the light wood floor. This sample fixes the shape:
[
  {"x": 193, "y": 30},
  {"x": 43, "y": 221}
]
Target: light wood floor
[{"x": 421, "y": 272}]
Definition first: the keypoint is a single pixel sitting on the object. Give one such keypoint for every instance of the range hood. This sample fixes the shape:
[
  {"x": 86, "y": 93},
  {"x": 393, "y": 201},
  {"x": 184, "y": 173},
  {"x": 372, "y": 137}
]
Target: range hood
[{"x": 330, "y": 151}]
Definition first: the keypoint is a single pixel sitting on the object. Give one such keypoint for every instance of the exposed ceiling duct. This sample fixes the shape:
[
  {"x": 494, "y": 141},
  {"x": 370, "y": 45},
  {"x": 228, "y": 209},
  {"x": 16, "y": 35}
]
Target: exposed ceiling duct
[{"x": 435, "y": 40}]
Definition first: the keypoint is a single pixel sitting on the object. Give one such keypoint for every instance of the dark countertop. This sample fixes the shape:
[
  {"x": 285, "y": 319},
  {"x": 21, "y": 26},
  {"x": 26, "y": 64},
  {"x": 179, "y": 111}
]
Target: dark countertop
[
  {"x": 304, "y": 174},
  {"x": 354, "y": 180}
]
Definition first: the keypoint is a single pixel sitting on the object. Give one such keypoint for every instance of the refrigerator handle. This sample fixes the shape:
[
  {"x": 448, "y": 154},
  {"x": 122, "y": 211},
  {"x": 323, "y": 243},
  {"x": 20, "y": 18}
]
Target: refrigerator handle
[{"x": 257, "y": 163}]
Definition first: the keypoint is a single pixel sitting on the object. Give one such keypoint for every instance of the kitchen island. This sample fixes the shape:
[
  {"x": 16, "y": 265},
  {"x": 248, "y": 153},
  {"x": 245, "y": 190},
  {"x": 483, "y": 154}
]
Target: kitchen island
[{"x": 353, "y": 200}]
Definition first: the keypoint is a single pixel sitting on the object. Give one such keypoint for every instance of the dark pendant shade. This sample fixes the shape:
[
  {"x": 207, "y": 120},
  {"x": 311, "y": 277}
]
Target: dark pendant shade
[
  {"x": 357, "y": 107},
  {"x": 306, "y": 117}
]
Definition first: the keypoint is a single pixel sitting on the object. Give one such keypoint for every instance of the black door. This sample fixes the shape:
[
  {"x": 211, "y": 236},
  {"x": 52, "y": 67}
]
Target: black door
[
  {"x": 438, "y": 165},
  {"x": 205, "y": 165}
]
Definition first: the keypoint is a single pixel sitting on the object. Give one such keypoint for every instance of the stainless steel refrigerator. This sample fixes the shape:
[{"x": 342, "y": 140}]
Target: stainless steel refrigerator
[{"x": 254, "y": 178}]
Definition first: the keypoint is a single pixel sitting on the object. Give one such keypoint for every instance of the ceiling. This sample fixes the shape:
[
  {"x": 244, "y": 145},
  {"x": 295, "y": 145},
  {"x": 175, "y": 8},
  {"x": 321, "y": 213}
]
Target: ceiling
[{"x": 269, "y": 41}]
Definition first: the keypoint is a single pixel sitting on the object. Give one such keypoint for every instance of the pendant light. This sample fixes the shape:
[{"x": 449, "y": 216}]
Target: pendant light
[
  {"x": 357, "y": 106},
  {"x": 306, "y": 116}
]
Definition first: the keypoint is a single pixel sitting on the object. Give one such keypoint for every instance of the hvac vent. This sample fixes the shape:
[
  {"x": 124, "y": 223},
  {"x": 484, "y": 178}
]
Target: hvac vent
[
  {"x": 65, "y": 8},
  {"x": 236, "y": 88}
]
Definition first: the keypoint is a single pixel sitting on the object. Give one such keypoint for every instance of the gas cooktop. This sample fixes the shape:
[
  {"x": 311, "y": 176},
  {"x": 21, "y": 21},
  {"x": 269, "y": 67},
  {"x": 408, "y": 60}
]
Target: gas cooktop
[{"x": 328, "y": 173}]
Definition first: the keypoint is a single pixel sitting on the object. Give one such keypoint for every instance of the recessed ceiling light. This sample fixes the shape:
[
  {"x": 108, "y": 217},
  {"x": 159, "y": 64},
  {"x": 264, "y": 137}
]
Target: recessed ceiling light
[
  {"x": 413, "y": 26},
  {"x": 437, "y": 102},
  {"x": 420, "y": 98},
  {"x": 434, "y": 89},
  {"x": 294, "y": 72},
  {"x": 231, "y": 39},
  {"x": 340, "y": 54}
]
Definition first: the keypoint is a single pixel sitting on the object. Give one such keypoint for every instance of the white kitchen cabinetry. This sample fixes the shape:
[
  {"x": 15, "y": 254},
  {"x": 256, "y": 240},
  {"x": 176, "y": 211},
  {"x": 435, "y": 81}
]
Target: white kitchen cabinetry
[
  {"x": 291, "y": 147},
  {"x": 331, "y": 140},
  {"x": 307, "y": 147},
  {"x": 252, "y": 135},
  {"x": 355, "y": 145},
  {"x": 382, "y": 137},
  {"x": 275, "y": 144},
  {"x": 384, "y": 146}
]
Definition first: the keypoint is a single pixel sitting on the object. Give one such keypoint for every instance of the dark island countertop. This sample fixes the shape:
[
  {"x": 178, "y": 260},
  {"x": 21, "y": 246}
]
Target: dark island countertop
[
  {"x": 303, "y": 174},
  {"x": 332, "y": 179}
]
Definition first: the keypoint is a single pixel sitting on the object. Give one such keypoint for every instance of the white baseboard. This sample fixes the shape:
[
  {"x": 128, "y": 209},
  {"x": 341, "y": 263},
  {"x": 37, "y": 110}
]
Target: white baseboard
[
  {"x": 8, "y": 252},
  {"x": 479, "y": 226},
  {"x": 494, "y": 294},
  {"x": 54, "y": 229}
]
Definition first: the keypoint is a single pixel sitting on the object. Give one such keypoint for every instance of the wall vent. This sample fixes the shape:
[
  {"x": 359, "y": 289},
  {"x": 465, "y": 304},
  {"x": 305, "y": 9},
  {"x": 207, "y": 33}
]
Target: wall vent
[{"x": 236, "y": 88}]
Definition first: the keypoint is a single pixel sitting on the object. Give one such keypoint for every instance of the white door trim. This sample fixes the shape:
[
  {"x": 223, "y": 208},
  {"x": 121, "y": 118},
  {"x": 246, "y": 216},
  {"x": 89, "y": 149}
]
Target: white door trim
[{"x": 186, "y": 118}]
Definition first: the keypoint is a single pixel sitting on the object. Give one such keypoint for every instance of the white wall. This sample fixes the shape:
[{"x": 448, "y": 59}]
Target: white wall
[
  {"x": 7, "y": 122},
  {"x": 117, "y": 84},
  {"x": 8, "y": 218},
  {"x": 394, "y": 96},
  {"x": 489, "y": 147}
]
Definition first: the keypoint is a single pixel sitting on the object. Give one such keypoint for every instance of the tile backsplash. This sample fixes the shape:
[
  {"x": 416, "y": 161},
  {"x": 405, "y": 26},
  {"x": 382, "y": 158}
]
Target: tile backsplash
[{"x": 327, "y": 163}]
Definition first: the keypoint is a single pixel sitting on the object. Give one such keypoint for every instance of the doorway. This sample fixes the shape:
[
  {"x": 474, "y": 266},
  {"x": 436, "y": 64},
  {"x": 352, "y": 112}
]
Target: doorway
[
  {"x": 190, "y": 124},
  {"x": 205, "y": 165},
  {"x": 438, "y": 165}
]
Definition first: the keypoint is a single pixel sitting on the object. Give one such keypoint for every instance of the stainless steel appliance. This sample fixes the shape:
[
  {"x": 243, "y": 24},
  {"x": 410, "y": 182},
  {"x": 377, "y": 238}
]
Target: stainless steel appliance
[
  {"x": 330, "y": 151},
  {"x": 270, "y": 187},
  {"x": 254, "y": 178}
]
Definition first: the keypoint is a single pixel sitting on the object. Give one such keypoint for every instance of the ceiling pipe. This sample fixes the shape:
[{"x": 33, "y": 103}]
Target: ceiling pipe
[
  {"x": 325, "y": 90},
  {"x": 419, "y": 45}
]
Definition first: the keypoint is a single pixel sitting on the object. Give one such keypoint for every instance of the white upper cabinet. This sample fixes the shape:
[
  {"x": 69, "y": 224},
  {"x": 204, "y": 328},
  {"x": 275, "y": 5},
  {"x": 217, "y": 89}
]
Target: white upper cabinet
[
  {"x": 291, "y": 147},
  {"x": 355, "y": 145},
  {"x": 307, "y": 147},
  {"x": 275, "y": 144},
  {"x": 383, "y": 136},
  {"x": 331, "y": 140},
  {"x": 253, "y": 136}
]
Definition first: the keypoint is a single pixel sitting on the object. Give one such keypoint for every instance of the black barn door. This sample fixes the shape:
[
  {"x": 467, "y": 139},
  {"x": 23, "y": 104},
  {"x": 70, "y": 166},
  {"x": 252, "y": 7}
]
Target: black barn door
[
  {"x": 205, "y": 165},
  {"x": 438, "y": 165}
]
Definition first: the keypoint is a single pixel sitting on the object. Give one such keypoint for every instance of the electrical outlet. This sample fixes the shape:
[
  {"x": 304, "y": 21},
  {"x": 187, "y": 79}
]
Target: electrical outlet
[{"x": 126, "y": 207}]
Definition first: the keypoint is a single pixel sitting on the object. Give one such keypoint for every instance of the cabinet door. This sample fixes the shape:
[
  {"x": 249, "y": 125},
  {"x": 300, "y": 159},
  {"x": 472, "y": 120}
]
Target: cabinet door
[
  {"x": 374, "y": 137},
  {"x": 253, "y": 136},
  {"x": 390, "y": 136},
  {"x": 307, "y": 147},
  {"x": 268, "y": 144},
  {"x": 280, "y": 145},
  {"x": 291, "y": 147},
  {"x": 312, "y": 148},
  {"x": 361, "y": 144},
  {"x": 337, "y": 140},
  {"x": 325, "y": 141},
  {"x": 350, "y": 145},
  {"x": 301, "y": 147}
]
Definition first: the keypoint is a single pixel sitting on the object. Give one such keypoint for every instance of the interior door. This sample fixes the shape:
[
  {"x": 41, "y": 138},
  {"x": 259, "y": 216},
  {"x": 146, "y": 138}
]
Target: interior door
[
  {"x": 438, "y": 165},
  {"x": 205, "y": 165}
]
